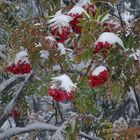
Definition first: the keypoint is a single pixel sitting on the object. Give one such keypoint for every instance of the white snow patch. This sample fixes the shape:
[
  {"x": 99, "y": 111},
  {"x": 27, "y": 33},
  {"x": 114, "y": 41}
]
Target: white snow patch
[
  {"x": 61, "y": 49},
  {"x": 98, "y": 70},
  {"x": 65, "y": 106},
  {"x": 64, "y": 83},
  {"x": 44, "y": 54},
  {"x": 49, "y": 38},
  {"x": 76, "y": 10},
  {"x": 38, "y": 45},
  {"x": 127, "y": 17},
  {"x": 110, "y": 38},
  {"x": 59, "y": 20},
  {"x": 84, "y": 2},
  {"x": 22, "y": 55},
  {"x": 37, "y": 24}
]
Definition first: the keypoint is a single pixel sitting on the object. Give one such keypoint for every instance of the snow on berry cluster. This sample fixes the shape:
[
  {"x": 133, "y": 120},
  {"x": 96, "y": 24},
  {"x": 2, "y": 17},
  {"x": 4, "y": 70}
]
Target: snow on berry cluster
[
  {"x": 105, "y": 41},
  {"x": 62, "y": 88},
  {"x": 21, "y": 65},
  {"x": 62, "y": 25},
  {"x": 99, "y": 76}
]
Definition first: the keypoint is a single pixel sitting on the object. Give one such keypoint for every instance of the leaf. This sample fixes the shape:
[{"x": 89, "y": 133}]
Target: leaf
[
  {"x": 103, "y": 15},
  {"x": 116, "y": 90},
  {"x": 97, "y": 13}
]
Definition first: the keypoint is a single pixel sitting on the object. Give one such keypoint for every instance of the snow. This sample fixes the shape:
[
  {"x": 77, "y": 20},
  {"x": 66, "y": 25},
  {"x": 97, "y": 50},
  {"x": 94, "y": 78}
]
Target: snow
[
  {"x": 136, "y": 55},
  {"x": 65, "y": 83},
  {"x": 22, "y": 55},
  {"x": 38, "y": 45},
  {"x": 127, "y": 17},
  {"x": 61, "y": 49},
  {"x": 59, "y": 20},
  {"x": 84, "y": 2},
  {"x": 44, "y": 54},
  {"x": 77, "y": 9},
  {"x": 65, "y": 106},
  {"x": 98, "y": 70},
  {"x": 2, "y": 50},
  {"x": 110, "y": 38},
  {"x": 49, "y": 38},
  {"x": 37, "y": 24},
  {"x": 2, "y": 56}
]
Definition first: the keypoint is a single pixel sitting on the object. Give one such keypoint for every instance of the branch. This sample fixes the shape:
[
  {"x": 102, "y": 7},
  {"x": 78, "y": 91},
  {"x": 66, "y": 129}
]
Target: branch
[
  {"x": 13, "y": 102},
  {"x": 132, "y": 10},
  {"x": 32, "y": 127},
  {"x": 7, "y": 83}
]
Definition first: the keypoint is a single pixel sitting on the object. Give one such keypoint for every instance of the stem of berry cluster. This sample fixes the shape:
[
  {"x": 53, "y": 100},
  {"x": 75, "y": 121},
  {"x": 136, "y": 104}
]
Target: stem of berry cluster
[
  {"x": 89, "y": 66},
  {"x": 55, "y": 114},
  {"x": 59, "y": 110}
]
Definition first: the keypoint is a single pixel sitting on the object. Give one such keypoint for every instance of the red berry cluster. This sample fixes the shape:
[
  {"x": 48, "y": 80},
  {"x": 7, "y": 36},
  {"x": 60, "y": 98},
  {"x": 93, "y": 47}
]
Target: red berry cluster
[
  {"x": 102, "y": 46},
  {"x": 109, "y": 27},
  {"x": 60, "y": 95},
  {"x": 74, "y": 23},
  {"x": 15, "y": 114},
  {"x": 20, "y": 68},
  {"x": 97, "y": 80},
  {"x": 61, "y": 34}
]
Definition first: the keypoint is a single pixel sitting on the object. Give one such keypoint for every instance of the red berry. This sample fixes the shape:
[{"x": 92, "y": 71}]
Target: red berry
[{"x": 15, "y": 114}]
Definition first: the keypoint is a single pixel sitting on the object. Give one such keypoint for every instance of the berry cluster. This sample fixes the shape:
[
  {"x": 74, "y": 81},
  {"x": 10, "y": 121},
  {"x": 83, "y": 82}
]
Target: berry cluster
[
  {"x": 60, "y": 95},
  {"x": 20, "y": 68},
  {"x": 61, "y": 34},
  {"x": 97, "y": 80},
  {"x": 109, "y": 27},
  {"x": 102, "y": 46},
  {"x": 74, "y": 23}
]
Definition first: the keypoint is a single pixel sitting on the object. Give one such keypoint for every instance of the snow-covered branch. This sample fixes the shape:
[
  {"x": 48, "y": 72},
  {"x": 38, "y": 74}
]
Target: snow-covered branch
[
  {"x": 13, "y": 102},
  {"x": 7, "y": 83},
  {"x": 32, "y": 127},
  {"x": 35, "y": 127}
]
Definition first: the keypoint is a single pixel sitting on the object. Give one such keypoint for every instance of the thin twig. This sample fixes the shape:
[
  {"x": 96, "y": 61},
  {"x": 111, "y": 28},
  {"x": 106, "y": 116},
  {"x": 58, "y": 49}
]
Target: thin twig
[{"x": 60, "y": 113}]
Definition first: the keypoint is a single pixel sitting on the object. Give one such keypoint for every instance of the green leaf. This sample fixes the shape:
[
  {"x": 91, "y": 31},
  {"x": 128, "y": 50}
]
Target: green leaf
[{"x": 103, "y": 15}]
